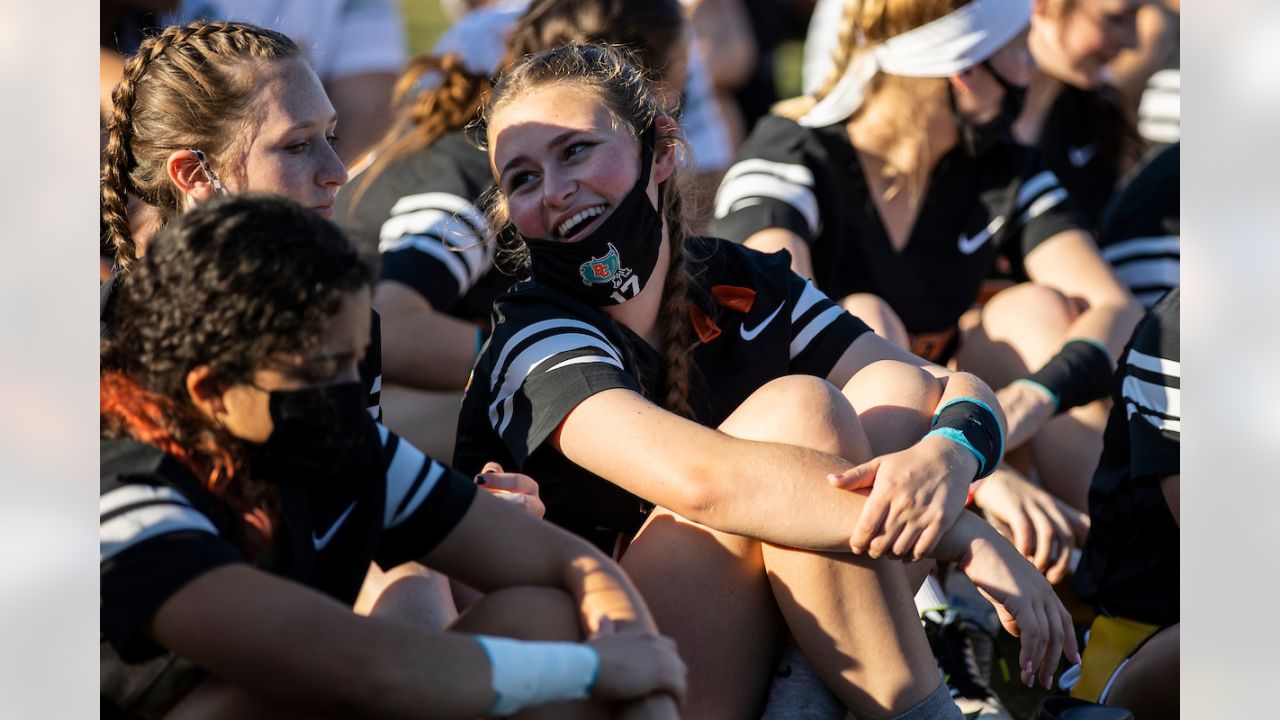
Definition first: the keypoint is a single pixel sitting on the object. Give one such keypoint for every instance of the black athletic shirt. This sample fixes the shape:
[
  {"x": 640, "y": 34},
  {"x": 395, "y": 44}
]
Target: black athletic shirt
[
  {"x": 809, "y": 181},
  {"x": 549, "y": 352},
  {"x": 1140, "y": 230},
  {"x": 159, "y": 530},
  {"x": 1130, "y": 562},
  {"x": 1070, "y": 148},
  {"x": 422, "y": 214},
  {"x": 370, "y": 367}
]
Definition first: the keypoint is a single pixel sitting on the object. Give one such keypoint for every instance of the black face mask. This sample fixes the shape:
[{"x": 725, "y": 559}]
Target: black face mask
[
  {"x": 978, "y": 139},
  {"x": 615, "y": 263},
  {"x": 320, "y": 434}
]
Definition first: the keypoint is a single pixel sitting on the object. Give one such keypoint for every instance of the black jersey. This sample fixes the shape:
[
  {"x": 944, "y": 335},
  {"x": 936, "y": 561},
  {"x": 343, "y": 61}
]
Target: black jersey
[
  {"x": 809, "y": 181},
  {"x": 422, "y": 213},
  {"x": 1071, "y": 147},
  {"x": 370, "y": 367},
  {"x": 1130, "y": 563},
  {"x": 1140, "y": 230},
  {"x": 160, "y": 528},
  {"x": 549, "y": 352}
]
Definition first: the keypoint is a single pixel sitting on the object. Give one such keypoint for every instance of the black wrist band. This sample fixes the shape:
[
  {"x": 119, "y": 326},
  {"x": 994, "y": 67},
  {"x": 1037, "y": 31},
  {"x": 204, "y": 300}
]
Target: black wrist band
[
  {"x": 1079, "y": 374},
  {"x": 972, "y": 423}
]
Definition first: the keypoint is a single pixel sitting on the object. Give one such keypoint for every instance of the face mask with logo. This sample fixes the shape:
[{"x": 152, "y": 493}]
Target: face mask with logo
[
  {"x": 615, "y": 262},
  {"x": 320, "y": 434},
  {"x": 978, "y": 139}
]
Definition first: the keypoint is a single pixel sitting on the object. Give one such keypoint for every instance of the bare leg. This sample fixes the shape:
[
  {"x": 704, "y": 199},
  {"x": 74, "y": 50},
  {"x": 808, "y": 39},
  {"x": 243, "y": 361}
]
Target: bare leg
[
  {"x": 881, "y": 318},
  {"x": 853, "y": 617},
  {"x": 1143, "y": 686},
  {"x": 707, "y": 590},
  {"x": 410, "y": 592},
  {"x": 1021, "y": 329}
]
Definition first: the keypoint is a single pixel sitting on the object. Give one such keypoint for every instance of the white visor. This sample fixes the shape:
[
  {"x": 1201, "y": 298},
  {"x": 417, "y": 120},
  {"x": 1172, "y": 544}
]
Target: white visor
[{"x": 947, "y": 46}]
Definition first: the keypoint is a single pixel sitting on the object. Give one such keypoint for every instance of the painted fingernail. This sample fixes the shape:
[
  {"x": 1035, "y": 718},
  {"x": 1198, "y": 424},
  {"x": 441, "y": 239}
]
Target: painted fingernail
[{"x": 479, "y": 479}]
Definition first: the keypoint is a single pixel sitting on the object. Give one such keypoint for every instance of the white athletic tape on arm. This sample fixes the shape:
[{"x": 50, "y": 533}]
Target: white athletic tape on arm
[
  {"x": 525, "y": 674},
  {"x": 947, "y": 46}
]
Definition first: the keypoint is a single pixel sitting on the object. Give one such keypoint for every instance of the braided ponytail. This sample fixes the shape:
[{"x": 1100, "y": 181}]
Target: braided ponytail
[
  {"x": 425, "y": 115},
  {"x": 678, "y": 342},
  {"x": 186, "y": 87}
]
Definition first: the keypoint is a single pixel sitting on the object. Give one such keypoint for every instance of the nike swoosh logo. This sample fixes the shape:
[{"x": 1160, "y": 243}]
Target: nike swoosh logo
[
  {"x": 1079, "y": 156},
  {"x": 751, "y": 334},
  {"x": 968, "y": 244},
  {"x": 321, "y": 541}
]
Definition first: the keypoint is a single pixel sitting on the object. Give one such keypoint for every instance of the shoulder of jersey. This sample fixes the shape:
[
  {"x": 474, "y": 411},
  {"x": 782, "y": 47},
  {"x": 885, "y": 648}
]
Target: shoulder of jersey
[
  {"x": 122, "y": 459},
  {"x": 774, "y": 134}
]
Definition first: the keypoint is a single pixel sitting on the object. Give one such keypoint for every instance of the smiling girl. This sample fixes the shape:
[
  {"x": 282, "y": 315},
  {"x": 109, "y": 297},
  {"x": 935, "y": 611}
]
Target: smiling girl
[{"x": 684, "y": 399}]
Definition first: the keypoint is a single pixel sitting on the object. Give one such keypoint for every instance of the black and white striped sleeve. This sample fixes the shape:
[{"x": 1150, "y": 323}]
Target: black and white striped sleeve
[
  {"x": 153, "y": 540},
  {"x": 1151, "y": 390},
  {"x": 1139, "y": 232},
  {"x": 436, "y": 243},
  {"x": 540, "y": 372},
  {"x": 425, "y": 499},
  {"x": 771, "y": 185},
  {"x": 821, "y": 331},
  {"x": 1041, "y": 209}
]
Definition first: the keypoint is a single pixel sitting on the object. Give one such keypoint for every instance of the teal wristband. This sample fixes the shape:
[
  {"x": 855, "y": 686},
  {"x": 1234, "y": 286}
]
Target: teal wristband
[{"x": 1052, "y": 395}]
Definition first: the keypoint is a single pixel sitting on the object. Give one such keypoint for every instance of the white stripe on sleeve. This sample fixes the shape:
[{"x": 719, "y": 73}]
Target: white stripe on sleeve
[
  {"x": 1151, "y": 363},
  {"x": 135, "y": 526},
  {"x": 756, "y": 178},
  {"x": 1151, "y": 396},
  {"x": 530, "y": 358},
  {"x": 815, "y": 326},
  {"x": 1122, "y": 249}
]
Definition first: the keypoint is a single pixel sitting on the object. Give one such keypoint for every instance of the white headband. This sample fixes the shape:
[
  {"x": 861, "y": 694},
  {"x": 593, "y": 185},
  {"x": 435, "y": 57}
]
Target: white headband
[{"x": 947, "y": 46}]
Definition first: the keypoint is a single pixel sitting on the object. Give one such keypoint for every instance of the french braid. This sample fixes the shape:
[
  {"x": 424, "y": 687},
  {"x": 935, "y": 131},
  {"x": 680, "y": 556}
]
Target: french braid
[{"x": 186, "y": 87}]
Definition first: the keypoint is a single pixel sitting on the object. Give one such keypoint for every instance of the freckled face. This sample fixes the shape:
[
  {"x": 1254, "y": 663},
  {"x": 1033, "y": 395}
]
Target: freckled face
[
  {"x": 1074, "y": 45},
  {"x": 562, "y": 162},
  {"x": 290, "y": 140}
]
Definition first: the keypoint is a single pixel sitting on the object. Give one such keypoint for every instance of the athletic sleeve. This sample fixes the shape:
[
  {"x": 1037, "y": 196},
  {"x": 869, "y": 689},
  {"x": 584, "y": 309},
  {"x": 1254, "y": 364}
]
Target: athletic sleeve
[
  {"x": 821, "y": 331},
  {"x": 1139, "y": 232},
  {"x": 770, "y": 185},
  {"x": 434, "y": 241},
  {"x": 425, "y": 500},
  {"x": 152, "y": 540},
  {"x": 1042, "y": 209},
  {"x": 536, "y": 368},
  {"x": 1151, "y": 392}
]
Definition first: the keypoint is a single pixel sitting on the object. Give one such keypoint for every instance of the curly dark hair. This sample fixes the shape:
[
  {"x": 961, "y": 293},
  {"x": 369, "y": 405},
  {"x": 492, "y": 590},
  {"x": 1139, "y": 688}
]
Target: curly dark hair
[{"x": 227, "y": 285}]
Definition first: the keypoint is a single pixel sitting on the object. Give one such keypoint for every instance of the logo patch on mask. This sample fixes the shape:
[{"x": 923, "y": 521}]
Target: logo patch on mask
[{"x": 601, "y": 269}]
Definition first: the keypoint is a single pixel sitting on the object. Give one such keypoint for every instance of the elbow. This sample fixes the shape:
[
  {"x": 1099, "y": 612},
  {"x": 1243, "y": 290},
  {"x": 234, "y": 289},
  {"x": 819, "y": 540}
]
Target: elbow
[{"x": 697, "y": 496}]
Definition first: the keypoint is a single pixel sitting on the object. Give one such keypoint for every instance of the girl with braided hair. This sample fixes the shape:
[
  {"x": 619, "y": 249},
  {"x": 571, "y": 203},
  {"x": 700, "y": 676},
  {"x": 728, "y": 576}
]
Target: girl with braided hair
[
  {"x": 692, "y": 406},
  {"x": 245, "y": 491},
  {"x": 418, "y": 202}
]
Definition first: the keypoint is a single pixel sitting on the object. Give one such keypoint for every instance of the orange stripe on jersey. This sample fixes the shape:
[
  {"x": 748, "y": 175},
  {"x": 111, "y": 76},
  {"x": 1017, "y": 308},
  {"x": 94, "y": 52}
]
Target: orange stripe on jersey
[
  {"x": 734, "y": 297},
  {"x": 703, "y": 325}
]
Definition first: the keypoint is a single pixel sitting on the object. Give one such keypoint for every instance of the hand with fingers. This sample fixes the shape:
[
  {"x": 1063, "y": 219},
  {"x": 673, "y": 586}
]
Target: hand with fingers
[
  {"x": 1026, "y": 603},
  {"x": 916, "y": 495},
  {"x": 515, "y": 488},
  {"x": 635, "y": 663},
  {"x": 1027, "y": 407},
  {"x": 1043, "y": 528}
]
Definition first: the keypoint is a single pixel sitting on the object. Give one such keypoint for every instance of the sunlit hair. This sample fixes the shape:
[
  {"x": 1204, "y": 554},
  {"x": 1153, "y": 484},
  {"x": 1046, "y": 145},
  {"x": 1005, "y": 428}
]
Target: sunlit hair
[
  {"x": 228, "y": 285},
  {"x": 188, "y": 87},
  {"x": 607, "y": 73},
  {"x": 434, "y": 96}
]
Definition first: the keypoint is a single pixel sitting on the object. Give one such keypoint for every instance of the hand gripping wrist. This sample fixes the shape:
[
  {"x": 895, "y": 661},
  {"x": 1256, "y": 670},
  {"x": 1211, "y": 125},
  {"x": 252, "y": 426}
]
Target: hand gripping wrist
[
  {"x": 973, "y": 425},
  {"x": 525, "y": 674}
]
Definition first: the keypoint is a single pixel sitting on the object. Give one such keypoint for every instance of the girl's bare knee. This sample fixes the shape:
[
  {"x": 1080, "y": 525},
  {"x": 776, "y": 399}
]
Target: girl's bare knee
[
  {"x": 895, "y": 402},
  {"x": 799, "y": 410},
  {"x": 525, "y": 613},
  {"x": 876, "y": 313}
]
